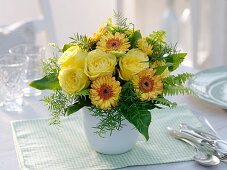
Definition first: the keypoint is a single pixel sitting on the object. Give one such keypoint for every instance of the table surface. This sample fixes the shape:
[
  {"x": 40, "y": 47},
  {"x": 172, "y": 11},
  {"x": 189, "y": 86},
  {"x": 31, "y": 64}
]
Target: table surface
[{"x": 33, "y": 108}]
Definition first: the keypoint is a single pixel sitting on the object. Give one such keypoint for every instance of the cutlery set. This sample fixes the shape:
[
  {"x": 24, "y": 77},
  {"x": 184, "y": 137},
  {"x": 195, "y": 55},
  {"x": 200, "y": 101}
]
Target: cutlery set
[{"x": 210, "y": 149}]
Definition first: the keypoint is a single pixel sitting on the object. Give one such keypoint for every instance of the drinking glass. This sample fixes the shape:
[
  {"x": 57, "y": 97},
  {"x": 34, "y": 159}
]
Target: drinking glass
[
  {"x": 12, "y": 71},
  {"x": 1, "y": 89},
  {"x": 34, "y": 54}
]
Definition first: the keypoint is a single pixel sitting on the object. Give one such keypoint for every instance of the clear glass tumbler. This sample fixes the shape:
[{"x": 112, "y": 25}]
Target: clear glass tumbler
[
  {"x": 35, "y": 54},
  {"x": 12, "y": 71}
]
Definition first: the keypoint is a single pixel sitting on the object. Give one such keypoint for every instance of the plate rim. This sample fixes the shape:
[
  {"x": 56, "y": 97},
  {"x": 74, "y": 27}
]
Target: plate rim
[{"x": 208, "y": 99}]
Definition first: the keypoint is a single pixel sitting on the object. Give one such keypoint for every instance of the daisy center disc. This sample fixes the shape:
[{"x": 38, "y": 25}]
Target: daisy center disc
[
  {"x": 113, "y": 43},
  {"x": 146, "y": 84},
  {"x": 105, "y": 92}
]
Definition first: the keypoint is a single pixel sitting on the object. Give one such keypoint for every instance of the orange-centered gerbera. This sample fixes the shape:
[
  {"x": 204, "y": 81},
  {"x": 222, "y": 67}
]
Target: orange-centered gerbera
[
  {"x": 147, "y": 85},
  {"x": 105, "y": 92},
  {"x": 113, "y": 42}
]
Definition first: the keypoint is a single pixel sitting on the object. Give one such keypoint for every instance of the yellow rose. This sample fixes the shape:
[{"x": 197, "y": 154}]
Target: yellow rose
[
  {"x": 72, "y": 79},
  {"x": 73, "y": 56},
  {"x": 99, "y": 63},
  {"x": 165, "y": 73},
  {"x": 133, "y": 62}
]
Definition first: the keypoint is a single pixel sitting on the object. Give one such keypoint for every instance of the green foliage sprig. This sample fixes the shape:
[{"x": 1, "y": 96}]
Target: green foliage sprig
[
  {"x": 50, "y": 66},
  {"x": 110, "y": 120},
  {"x": 82, "y": 41},
  {"x": 58, "y": 104}
]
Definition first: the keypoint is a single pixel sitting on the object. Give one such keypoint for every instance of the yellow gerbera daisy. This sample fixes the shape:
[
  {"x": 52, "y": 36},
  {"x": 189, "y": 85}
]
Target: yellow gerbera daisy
[
  {"x": 147, "y": 85},
  {"x": 110, "y": 42},
  {"x": 105, "y": 92},
  {"x": 143, "y": 45},
  {"x": 97, "y": 35}
]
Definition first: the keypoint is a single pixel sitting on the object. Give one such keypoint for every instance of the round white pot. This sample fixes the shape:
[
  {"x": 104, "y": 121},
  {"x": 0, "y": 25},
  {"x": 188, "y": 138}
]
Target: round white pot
[{"x": 119, "y": 142}]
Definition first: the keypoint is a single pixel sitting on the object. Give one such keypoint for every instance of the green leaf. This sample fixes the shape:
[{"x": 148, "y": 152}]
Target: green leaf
[
  {"x": 135, "y": 111},
  {"x": 49, "y": 82},
  {"x": 141, "y": 119},
  {"x": 67, "y": 46},
  {"x": 163, "y": 101},
  {"x": 160, "y": 69},
  {"x": 134, "y": 38},
  {"x": 81, "y": 102},
  {"x": 176, "y": 60}
]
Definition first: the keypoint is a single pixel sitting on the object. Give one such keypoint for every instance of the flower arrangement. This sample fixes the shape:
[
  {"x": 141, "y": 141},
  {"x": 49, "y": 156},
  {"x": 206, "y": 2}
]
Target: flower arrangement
[{"x": 116, "y": 73}]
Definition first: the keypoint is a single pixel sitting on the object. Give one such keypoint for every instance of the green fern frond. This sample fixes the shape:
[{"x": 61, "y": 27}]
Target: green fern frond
[
  {"x": 121, "y": 24},
  {"x": 121, "y": 21},
  {"x": 174, "y": 85},
  {"x": 176, "y": 90},
  {"x": 177, "y": 80}
]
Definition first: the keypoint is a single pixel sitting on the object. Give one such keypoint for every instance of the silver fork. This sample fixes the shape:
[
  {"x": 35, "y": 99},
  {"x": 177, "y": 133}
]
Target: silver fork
[{"x": 222, "y": 157}]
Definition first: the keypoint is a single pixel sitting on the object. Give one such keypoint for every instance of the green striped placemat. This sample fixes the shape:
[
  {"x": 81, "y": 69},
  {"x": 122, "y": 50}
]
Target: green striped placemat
[{"x": 40, "y": 146}]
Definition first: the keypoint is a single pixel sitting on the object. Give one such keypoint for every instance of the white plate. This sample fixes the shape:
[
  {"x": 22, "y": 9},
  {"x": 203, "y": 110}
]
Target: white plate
[{"x": 211, "y": 85}]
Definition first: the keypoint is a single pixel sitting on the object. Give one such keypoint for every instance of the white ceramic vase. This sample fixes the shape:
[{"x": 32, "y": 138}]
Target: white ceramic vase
[{"x": 119, "y": 142}]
